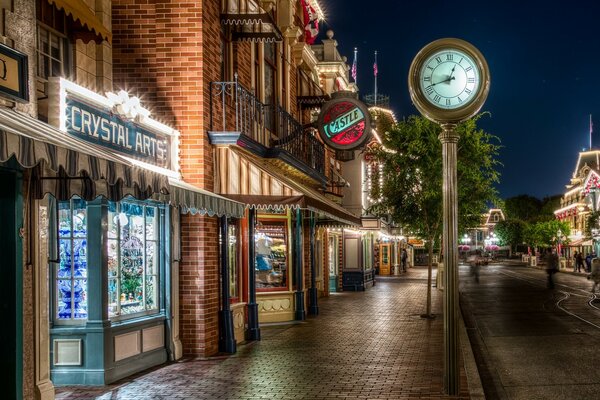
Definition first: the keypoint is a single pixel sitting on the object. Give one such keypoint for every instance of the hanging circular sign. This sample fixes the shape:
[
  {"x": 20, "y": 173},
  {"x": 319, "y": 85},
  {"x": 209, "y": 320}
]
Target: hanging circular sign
[{"x": 344, "y": 123}]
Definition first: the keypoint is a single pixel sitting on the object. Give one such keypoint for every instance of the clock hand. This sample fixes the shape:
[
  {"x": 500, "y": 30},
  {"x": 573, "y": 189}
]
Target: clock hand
[{"x": 450, "y": 78}]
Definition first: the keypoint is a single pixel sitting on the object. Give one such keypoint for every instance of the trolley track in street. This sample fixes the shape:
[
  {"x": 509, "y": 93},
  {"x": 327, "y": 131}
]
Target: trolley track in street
[{"x": 566, "y": 295}]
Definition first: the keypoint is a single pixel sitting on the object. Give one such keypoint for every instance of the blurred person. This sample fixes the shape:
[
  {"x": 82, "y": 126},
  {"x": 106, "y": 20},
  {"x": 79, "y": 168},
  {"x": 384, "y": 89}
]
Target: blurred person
[
  {"x": 595, "y": 274},
  {"x": 551, "y": 267}
]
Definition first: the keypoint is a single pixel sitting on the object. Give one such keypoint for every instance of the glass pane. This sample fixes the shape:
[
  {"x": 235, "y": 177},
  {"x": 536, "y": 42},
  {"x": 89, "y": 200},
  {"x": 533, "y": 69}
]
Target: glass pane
[
  {"x": 54, "y": 46},
  {"x": 64, "y": 268},
  {"x": 80, "y": 258},
  {"x": 44, "y": 45},
  {"x": 63, "y": 298},
  {"x": 113, "y": 259},
  {"x": 151, "y": 223},
  {"x": 132, "y": 224},
  {"x": 151, "y": 293},
  {"x": 113, "y": 222},
  {"x": 64, "y": 219},
  {"x": 233, "y": 265},
  {"x": 132, "y": 272},
  {"x": 56, "y": 68},
  {"x": 113, "y": 295},
  {"x": 271, "y": 255},
  {"x": 80, "y": 299},
  {"x": 151, "y": 258},
  {"x": 79, "y": 218}
]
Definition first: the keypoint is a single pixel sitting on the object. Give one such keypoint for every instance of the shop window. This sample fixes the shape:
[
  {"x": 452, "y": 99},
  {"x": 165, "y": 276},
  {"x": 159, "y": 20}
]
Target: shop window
[
  {"x": 52, "y": 44},
  {"x": 367, "y": 252},
  {"x": 133, "y": 258},
  {"x": 333, "y": 255},
  {"x": 272, "y": 262},
  {"x": 71, "y": 270},
  {"x": 234, "y": 266}
]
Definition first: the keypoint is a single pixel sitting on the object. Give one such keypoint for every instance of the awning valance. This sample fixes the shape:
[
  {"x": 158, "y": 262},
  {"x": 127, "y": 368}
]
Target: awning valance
[
  {"x": 249, "y": 22},
  {"x": 318, "y": 205},
  {"x": 580, "y": 242},
  {"x": 195, "y": 200},
  {"x": 83, "y": 17},
  {"x": 65, "y": 166}
]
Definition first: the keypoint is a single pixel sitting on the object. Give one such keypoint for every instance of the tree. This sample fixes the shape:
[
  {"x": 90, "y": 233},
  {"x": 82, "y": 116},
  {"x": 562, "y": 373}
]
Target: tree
[
  {"x": 523, "y": 207},
  {"x": 510, "y": 232},
  {"x": 411, "y": 154},
  {"x": 545, "y": 233}
]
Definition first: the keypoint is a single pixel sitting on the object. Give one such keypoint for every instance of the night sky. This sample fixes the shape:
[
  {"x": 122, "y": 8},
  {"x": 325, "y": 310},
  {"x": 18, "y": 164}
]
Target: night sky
[{"x": 544, "y": 59}]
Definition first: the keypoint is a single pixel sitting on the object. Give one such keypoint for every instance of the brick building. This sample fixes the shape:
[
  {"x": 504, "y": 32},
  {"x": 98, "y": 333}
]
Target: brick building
[{"x": 124, "y": 120}]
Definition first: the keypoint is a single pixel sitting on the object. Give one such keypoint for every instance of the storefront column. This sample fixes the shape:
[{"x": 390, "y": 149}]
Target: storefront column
[
  {"x": 300, "y": 312},
  {"x": 253, "y": 332},
  {"x": 227, "y": 342},
  {"x": 314, "y": 307},
  {"x": 95, "y": 341}
]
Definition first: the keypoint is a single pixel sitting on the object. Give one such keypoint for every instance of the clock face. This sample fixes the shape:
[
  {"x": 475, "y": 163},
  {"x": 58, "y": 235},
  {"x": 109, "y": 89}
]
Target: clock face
[{"x": 449, "y": 79}]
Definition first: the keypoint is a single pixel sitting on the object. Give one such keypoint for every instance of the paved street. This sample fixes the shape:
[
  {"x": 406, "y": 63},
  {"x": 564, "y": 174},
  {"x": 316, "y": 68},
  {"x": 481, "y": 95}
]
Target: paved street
[
  {"x": 365, "y": 345},
  {"x": 531, "y": 342}
]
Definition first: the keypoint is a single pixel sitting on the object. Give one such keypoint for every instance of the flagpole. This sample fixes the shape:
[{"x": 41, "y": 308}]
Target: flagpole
[
  {"x": 591, "y": 130},
  {"x": 375, "y": 72},
  {"x": 355, "y": 66}
]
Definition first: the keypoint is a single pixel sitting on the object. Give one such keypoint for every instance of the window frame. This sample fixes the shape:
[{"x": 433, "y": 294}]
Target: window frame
[
  {"x": 159, "y": 258},
  {"x": 286, "y": 220}
]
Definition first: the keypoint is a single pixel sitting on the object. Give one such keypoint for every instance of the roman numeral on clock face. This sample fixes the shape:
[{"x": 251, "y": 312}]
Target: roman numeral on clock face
[
  {"x": 449, "y": 57},
  {"x": 437, "y": 98},
  {"x": 429, "y": 89},
  {"x": 468, "y": 69},
  {"x": 448, "y": 102},
  {"x": 439, "y": 60},
  {"x": 427, "y": 79},
  {"x": 470, "y": 80}
]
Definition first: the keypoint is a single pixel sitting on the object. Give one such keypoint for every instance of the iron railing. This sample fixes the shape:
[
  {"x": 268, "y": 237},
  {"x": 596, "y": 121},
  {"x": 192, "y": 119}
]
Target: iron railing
[{"x": 233, "y": 108}]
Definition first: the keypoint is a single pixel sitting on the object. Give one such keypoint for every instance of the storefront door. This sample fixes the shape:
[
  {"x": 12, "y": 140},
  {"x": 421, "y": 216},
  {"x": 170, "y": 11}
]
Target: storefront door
[
  {"x": 10, "y": 290},
  {"x": 333, "y": 255},
  {"x": 384, "y": 259}
]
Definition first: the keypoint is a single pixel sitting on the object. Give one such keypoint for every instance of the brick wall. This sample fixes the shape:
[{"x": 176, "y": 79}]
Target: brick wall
[
  {"x": 199, "y": 285},
  {"x": 166, "y": 52}
]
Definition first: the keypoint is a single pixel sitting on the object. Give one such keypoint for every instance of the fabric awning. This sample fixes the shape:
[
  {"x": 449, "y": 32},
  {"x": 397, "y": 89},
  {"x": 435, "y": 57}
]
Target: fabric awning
[
  {"x": 580, "y": 242},
  {"x": 195, "y": 200},
  {"x": 83, "y": 16},
  {"x": 65, "y": 166},
  {"x": 308, "y": 199},
  {"x": 249, "y": 22}
]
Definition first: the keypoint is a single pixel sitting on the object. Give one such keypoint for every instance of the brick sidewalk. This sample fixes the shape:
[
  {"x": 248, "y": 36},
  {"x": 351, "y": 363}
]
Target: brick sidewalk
[{"x": 364, "y": 345}]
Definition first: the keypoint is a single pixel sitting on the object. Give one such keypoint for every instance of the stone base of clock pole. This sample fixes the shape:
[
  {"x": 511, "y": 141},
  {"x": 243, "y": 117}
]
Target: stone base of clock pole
[{"x": 449, "y": 139}]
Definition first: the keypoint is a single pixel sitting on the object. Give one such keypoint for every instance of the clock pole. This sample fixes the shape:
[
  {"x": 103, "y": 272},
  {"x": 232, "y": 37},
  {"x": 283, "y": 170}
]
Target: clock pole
[
  {"x": 449, "y": 139},
  {"x": 448, "y": 116}
]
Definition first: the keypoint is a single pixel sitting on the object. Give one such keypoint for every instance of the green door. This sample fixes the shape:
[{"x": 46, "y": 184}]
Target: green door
[{"x": 10, "y": 290}]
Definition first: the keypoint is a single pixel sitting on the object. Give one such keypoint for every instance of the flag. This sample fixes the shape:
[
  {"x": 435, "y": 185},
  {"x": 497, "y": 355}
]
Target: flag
[
  {"x": 311, "y": 23},
  {"x": 354, "y": 66},
  {"x": 375, "y": 65}
]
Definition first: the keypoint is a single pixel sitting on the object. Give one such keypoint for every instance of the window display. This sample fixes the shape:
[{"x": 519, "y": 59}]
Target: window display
[
  {"x": 233, "y": 261},
  {"x": 332, "y": 252},
  {"x": 71, "y": 272},
  {"x": 367, "y": 251},
  {"x": 271, "y": 255},
  {"x": 133, "y": 259}
]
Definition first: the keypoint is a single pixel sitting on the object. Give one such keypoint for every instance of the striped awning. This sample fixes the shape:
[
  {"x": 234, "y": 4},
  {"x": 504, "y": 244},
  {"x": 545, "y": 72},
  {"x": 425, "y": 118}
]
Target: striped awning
[
  {"x": 65, "y": 166},
  {"x": 295, "y": 194},
  {"x": 83, "y": 18},
  {"x": 193, "y": 200},
  {"x": 249, "y": 22}
]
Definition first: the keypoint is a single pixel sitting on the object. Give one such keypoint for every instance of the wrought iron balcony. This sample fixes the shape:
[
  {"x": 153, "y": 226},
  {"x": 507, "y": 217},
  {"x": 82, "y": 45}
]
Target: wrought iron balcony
[{"x": 236, "y": 115}]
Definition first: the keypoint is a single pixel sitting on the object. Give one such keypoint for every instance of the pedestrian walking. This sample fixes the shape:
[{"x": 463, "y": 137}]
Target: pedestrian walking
[
  {"x": 588, "y": 263},
  {"x": 575, "y": 262},
  {"x": 551, "y": 267},
  {"x": 403, "y": 258},
  {"x": 595, "y": 275},
  {"x": 579, "y": 261}
]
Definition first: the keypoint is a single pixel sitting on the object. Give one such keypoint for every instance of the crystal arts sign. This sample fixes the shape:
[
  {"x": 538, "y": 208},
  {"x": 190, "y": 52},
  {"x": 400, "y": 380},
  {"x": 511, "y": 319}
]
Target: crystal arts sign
[
  {"x": 344, "y": 124},
  {"x": 116, "y": 122}
]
